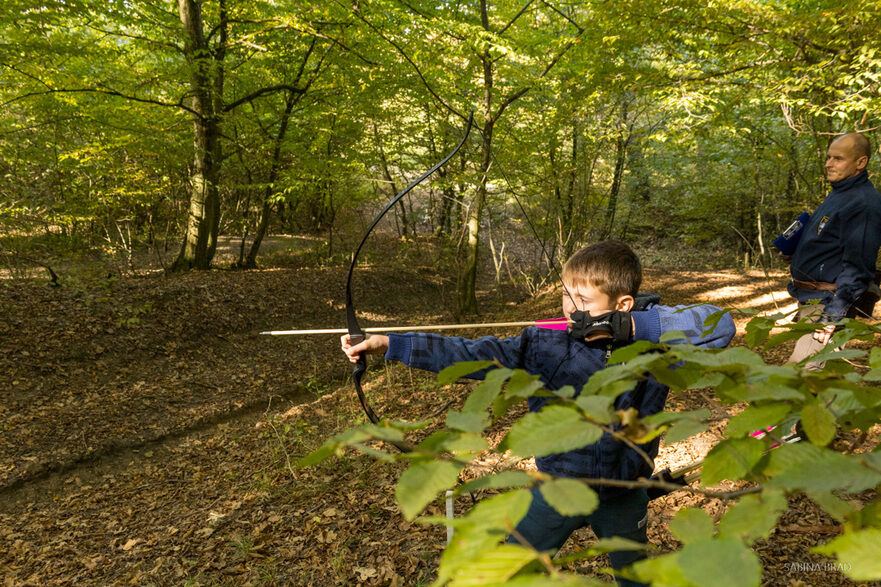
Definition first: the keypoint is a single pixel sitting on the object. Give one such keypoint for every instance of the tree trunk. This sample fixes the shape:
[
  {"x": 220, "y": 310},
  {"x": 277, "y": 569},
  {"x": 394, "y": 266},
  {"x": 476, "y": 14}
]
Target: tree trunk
[
  {"x": 466, "y": 301},
  {"x": 620, "y": 158},
  {"x": 266, "y": 211},
  {"x": 200, "y": 239},
  {"x": 388, "y": 177},
  {"x": 217, "y": 108}
]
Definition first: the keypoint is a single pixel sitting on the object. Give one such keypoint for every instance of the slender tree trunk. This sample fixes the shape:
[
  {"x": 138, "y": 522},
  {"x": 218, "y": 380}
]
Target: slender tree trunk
[
  {"x": 466, "y": 299},
  {"x": 620, "y": 158},
  {"x": 467, "y": 296},
  {"x": 266, "y": 211},
  {"x": 388, "y": 177}
]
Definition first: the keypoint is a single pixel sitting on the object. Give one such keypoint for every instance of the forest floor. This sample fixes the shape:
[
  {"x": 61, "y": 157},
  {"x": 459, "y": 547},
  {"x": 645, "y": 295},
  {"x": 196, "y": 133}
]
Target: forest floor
[{"x": 148, "y": 431}]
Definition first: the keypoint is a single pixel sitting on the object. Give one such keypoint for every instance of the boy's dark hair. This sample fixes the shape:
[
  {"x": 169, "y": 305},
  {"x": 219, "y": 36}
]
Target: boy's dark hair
[{"x": 610, "y": 266}]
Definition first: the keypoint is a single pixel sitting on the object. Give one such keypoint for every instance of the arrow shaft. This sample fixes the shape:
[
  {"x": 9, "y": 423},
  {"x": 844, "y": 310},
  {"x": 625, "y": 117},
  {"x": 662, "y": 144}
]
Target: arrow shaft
[{"x": 559, "y": 323}]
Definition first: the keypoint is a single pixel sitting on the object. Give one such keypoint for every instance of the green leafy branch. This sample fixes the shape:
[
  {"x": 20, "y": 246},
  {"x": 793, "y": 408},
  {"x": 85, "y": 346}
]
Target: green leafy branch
[{"x": 837, "y": 397}]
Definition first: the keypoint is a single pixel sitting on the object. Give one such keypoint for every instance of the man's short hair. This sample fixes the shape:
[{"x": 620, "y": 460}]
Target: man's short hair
[
  {"x": 863, "y": 146},
  {"x": 860, "y": 142},
  {"x": 610, "y": 266}
]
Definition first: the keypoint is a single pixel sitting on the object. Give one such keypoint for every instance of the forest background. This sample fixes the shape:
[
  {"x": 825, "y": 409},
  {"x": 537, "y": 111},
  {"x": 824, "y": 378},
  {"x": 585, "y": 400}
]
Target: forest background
[
  {"x": 680, "y": 125},
  {"x": 140, "y": 139}
]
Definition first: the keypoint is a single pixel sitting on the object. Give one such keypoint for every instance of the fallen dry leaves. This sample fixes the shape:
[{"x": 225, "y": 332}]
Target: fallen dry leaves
[{"x": 148, "y": 433}]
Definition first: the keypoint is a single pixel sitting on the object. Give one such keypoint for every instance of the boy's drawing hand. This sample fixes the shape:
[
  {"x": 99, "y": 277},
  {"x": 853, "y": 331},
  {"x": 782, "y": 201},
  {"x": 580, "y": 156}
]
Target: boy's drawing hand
[{"x": 373, "y": 344}]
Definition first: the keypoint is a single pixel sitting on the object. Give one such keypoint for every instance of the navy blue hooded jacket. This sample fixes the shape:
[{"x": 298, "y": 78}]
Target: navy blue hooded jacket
[
  {"x": 839, "y": 245},
  {"x": 561, "y": 360}
]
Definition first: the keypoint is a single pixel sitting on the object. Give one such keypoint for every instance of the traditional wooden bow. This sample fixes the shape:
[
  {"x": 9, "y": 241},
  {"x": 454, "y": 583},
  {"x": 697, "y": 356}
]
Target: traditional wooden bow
[{"x": 356, "y": 333}]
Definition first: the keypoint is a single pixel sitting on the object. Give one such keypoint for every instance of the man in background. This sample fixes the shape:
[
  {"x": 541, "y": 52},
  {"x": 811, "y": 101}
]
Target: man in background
[{"x": 833, "y": 265}]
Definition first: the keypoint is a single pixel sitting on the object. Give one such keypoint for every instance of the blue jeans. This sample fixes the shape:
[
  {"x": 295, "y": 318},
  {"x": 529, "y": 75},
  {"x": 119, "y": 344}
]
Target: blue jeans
[{"x": 625, "y": 516}]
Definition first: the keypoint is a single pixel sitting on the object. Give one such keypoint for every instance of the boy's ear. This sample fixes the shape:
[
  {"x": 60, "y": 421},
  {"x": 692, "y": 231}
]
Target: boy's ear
[{"x": 625, "y": 303}]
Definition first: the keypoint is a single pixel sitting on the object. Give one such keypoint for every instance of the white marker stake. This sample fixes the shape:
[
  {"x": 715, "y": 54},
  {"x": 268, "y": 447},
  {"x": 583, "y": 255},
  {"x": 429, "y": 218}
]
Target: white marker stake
[{"x": 449, "y": 516}]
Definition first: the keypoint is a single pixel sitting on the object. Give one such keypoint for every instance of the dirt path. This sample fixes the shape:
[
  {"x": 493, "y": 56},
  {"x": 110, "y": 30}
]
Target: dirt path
[{"x": 149, "y": 431}]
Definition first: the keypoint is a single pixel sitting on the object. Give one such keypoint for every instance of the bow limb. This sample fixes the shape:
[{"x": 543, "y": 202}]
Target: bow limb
[{"x": 356, "y": 333}]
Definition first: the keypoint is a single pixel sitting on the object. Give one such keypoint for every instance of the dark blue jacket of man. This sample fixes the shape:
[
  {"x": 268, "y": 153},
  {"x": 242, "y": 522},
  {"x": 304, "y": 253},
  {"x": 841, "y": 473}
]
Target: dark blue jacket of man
[
  {"x": 840, "y": 245},
  {"x": 561, "y": 360}
]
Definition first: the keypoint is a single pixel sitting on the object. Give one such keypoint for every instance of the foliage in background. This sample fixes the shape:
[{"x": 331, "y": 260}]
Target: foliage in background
[{"x": 634, "y": 120}]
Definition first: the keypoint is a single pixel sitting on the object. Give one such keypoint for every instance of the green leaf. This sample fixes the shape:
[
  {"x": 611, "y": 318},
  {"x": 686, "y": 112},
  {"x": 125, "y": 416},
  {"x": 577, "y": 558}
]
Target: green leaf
[
  {"x": 604, "y": 545},
  {"x": 493, "y": 566},
  {"x": 691, "y": 524},
  {"x": 807, "y": 467},
  {"x": 631, "y": 351},
  {"x": 377, "y": 454},
  {"x": 463, "y": 369},
  {"x": 712, "y": 321},
  {"x": 858, "y": 552},
  {"x": 785, "y": 336},
  {"x": 819, "y": 423},
  {"x": 502, "y": 404},
  {"x": 483, "y": 395},
  {"x": 831, "y": 353},
  {"x": 684, "y": 429},
  {"x": 707, "y": 380},
  {"x": 662, "y": 418},
  {"x": 660, "y": 571},
  {"x": 870, "y": 515},
  {"x": 762, "y": 391},
  {"x": 753, "y": 517},
  {"x": 467, "y": 422},
  {"x": 570, "y": 497},
  {"x": 503, "y": 480},
  {"x": 673, "y": 337},
  {"x": 672, "y": 378},
  {"x": 464, "y": 548},
  {"x": 614, "y": 380},
  {"x": 733, "y": 359},
  {"x": 875, "y": 358},
  {"x": 567, "y": 392},
  {"x": 497, "y": 514},
  {"x": 327, "y": 450},
  {"x": 834, "y": 506},
  {"x": 731, "y": 459},
  {"x": 554, "y": 429},
  {"x": 330, "y": 447},
  {"x": 755, "y": 418},
  {"x": 720, "y": 563},
  {"x": 757, "y": 331},
  {"x": 874, "y": 374},
  {"x": 435, "y": 442},
  {"x": 598, "y": 407},
  {"x": 464, "y": 442},
  {"x": 382, "y": 432},
  {"x": 558, "y": 580},
  {"x": 420, "y": 484},
  {"x": 522, "y": 384}
]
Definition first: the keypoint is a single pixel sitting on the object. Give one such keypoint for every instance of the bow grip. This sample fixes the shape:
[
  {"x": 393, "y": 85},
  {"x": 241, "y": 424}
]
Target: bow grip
[{"x": 361, "y": 365}]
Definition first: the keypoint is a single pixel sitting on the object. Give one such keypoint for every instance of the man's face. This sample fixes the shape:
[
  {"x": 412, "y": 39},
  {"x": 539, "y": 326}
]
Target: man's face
[
  {"x": 842, "y": 160},
  {"x": 586, "y": 297}
]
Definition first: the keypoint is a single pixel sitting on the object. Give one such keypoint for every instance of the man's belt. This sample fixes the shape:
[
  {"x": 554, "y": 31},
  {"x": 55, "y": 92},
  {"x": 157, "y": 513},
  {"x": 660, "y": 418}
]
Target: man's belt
[{"x": 815, "y": 285}]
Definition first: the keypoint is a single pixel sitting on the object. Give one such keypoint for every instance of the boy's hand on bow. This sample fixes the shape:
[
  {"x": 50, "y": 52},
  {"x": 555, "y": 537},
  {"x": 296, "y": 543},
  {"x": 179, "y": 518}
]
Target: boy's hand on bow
[
  {"x": 373, "y": 344},
  {"x": 616, "y": 325}
]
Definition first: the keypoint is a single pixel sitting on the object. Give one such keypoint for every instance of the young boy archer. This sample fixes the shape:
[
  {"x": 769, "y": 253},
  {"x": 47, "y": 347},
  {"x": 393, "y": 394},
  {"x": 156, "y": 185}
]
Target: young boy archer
[{"x": 601, "y": 302}]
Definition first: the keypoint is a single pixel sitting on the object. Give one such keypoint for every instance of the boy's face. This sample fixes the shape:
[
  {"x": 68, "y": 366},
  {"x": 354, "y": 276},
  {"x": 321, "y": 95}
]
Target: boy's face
[{"x": 587, "y": 298}]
